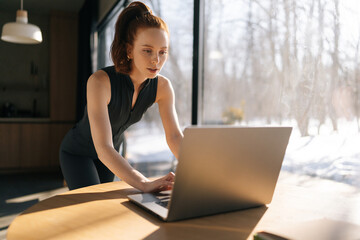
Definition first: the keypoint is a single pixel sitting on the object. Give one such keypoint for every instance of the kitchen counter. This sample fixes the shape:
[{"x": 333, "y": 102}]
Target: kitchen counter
[{"x": 24, "y": 120}]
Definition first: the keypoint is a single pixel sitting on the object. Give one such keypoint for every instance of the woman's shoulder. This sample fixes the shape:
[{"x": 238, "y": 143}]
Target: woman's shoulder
[
  {"x": 99, "y": 80},
  {"x": 163, "y": 82},
  {"x": 99, "y": 76},
  {"x": 165, "y": 88},
  {"x": 98, "y": 86}
]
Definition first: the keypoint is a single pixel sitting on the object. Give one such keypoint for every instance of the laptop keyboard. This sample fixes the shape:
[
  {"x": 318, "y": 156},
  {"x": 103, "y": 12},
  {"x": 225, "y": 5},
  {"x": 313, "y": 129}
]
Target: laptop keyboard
[
  {"x": 163, "y": 200},
  {"x": 164, "y": 203}
]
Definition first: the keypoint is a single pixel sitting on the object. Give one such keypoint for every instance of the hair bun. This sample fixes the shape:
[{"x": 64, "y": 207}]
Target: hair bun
[{"x": 142, "y": 9}]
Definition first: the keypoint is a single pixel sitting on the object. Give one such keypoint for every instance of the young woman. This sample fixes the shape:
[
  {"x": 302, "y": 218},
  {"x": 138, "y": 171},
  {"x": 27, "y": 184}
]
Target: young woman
[{"x": 117, "y": 97}]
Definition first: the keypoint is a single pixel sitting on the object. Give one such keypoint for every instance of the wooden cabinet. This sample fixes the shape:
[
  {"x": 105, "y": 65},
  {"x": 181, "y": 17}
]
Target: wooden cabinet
[
  {"x": 10, "y": 145},
  {"x": 23, "y": 145},
  {"x": 34, "y": 141},
  {"x": 31, "y": 146}
]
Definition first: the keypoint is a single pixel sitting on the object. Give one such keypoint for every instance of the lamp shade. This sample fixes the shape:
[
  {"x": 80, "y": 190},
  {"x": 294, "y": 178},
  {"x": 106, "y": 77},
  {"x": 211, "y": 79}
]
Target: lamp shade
[{"x": 21, "y": 31}]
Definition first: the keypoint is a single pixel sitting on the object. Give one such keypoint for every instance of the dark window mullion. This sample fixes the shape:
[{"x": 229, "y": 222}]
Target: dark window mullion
[{"x": 198, "y": 59}]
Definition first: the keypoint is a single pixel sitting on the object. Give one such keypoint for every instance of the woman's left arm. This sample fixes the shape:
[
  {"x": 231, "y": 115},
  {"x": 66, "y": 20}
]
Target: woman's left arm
[{"x": 166, "y": 100}]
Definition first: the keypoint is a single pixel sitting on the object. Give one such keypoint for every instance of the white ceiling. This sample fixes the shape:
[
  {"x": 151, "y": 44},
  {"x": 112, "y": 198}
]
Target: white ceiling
[{"x": 41, "y": 6}]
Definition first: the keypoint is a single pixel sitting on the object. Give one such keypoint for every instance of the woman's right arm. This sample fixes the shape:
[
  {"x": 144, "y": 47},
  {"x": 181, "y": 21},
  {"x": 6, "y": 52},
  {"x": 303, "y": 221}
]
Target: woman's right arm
[{"x": 98, "y": 97}]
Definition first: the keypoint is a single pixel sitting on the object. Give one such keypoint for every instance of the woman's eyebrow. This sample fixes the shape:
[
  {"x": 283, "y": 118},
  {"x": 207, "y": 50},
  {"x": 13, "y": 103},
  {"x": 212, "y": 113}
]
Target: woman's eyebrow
[{"x": 150, "y": 46}]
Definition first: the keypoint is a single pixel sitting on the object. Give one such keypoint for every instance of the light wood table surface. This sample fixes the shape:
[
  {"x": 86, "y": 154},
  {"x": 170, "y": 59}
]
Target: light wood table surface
[{"x": 103, "y": 212}]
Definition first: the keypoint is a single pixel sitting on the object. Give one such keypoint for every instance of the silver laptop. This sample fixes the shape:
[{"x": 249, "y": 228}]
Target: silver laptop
[{"x": 221, "y": 169}]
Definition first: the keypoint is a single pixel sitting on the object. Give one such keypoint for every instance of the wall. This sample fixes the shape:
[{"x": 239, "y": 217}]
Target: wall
[
  {"x": 16, "y": 83},
  {"x": 104, "y": 8},
  {"x": 28, "y": 144}
]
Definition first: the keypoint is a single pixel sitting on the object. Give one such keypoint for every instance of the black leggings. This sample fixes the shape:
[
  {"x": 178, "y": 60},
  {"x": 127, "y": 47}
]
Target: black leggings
[{"x": 80, "y": 171}]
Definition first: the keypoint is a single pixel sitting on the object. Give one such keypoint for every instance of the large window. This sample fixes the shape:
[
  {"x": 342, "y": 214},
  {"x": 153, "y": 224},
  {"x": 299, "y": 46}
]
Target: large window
[
  {"x": 146, "y": 145},
  {"x": 271, "y": 62},
  {"x": 288, "y": 62}
]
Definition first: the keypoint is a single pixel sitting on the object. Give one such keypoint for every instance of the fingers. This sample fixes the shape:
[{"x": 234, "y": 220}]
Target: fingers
[
  {"x": 165, "y": 187},
  {"x": 170, "y": 177},
  {"x": 162, "y": 184},
  {"x": 169, "y": 181},
  {"x": 165, "y": 183}
]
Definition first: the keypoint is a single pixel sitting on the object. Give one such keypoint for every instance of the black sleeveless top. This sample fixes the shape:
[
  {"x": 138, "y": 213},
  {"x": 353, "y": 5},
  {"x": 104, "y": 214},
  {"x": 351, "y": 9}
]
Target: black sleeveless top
[{"x": 79, "y": 141}]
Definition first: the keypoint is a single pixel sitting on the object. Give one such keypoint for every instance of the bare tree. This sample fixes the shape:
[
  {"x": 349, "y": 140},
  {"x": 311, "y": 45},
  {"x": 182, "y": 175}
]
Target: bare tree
[
  {"x": 304, "y": 89},
  {"x": 357, "y": 82},
  {"x": 334, "y": 79},
  {"x": 319, "y": 101}
]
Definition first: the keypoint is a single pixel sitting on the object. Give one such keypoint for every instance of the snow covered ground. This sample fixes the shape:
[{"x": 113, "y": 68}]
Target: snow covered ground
[{"x": 329, "y": 155}]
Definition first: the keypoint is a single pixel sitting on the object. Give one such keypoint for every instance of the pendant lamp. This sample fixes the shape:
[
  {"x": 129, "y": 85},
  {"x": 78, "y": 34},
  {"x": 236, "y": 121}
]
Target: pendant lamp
[{"x": 21, "y": 31}]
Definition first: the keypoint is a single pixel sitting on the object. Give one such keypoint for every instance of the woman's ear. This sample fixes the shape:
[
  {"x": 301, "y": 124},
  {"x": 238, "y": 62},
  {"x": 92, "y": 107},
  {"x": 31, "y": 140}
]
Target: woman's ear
[{"x": 129, "y": 50}]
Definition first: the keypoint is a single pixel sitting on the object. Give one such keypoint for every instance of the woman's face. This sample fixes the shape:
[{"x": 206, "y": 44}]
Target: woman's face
[{"x": 149, "y": 52}]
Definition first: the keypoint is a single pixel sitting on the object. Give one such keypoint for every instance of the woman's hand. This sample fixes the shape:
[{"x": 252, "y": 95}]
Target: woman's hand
[{"x": 160, "y": 184}]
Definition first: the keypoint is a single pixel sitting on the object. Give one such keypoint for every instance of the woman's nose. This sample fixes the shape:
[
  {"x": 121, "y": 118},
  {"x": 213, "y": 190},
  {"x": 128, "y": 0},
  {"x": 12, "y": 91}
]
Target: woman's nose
[{"x": 155, "y": 59}]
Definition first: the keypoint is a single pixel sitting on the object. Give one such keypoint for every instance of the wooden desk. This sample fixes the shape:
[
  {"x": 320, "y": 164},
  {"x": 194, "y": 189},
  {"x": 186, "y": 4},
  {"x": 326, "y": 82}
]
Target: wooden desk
[{"x": 103, "y": 212}]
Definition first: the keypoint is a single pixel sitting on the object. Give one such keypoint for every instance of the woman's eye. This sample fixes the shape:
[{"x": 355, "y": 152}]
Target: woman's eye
[
  {"x": 163, "y": 52},
  {"x": 147, "y": 51}
]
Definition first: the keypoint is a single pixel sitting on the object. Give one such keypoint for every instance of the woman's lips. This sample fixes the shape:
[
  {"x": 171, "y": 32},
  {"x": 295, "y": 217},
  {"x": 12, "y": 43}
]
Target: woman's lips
[{"x": 153, "y": 70}]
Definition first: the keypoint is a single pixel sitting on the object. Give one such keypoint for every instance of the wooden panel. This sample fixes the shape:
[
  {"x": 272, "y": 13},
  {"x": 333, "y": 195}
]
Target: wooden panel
[
  {"x": 9, "y": 145},
  {"x": 34, "y": 145},
  {"x": 31, "y": 145},
  {"x": 63, "y": 66},
  {"x": 57, "y": 133}
]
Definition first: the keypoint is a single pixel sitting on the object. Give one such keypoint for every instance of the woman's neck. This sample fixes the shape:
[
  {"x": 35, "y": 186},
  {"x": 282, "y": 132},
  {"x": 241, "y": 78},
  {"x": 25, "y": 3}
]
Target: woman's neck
[{"x": 137, "y": 79}]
